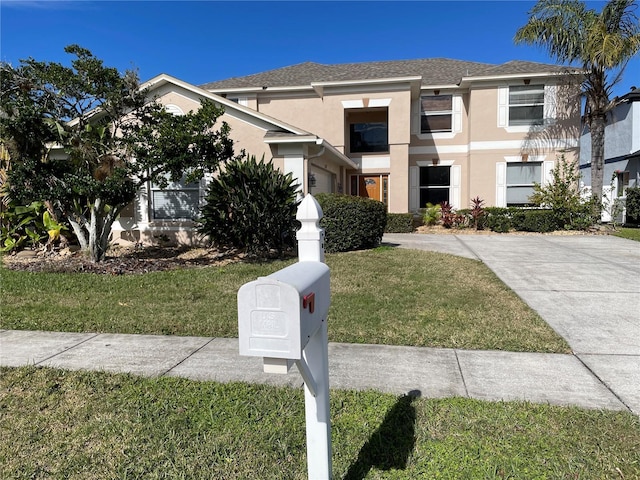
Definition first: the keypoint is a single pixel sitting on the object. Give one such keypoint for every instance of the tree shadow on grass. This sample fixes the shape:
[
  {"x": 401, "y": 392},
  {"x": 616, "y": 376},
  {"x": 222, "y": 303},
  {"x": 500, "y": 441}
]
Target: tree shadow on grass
[{"x": 391, "y": 444}]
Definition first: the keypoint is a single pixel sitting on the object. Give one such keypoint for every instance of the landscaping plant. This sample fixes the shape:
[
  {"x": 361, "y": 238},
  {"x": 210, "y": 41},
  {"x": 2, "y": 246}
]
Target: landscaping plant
[
  {"x": 350, "y": 222},
  {"x": 633, "y": 205},
  {"x": 562, "y": 195},
  {"x": 114, "y": 138},
  {"x": 477, "y": 212},
  {"x": 251, "y": 206},
  {"x": 432, "y": 214},
  {"x": 399, "y": 223}
]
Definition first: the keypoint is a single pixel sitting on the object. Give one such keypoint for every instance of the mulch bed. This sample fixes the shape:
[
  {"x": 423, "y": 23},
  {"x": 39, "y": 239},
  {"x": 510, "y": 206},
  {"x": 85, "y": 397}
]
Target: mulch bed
[
  {"x": 120, "y": 261},
  {"x": 127, "y": 260}
]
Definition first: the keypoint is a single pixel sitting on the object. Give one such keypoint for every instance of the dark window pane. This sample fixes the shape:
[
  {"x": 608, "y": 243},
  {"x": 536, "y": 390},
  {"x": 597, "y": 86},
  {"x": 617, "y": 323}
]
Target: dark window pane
[
  {"x": 369, "y": 137},
  {"x": 435, "y": 176},
  {"x": 437, "y": 103},
  {"x": 435, "y": 123},
  {"x": 433, "y": 196}
]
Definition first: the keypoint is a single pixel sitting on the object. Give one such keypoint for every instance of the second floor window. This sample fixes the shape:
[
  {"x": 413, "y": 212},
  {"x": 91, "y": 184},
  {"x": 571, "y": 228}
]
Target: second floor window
[
  {"x": 436, "y": 113},
  {"x": 369, "y": 137},
  {"x": 526, "y": 105}
]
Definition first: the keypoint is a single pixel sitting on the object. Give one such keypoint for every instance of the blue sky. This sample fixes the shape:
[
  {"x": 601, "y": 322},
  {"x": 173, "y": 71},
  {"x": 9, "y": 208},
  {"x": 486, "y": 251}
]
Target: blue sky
[{"x": 204, "y": 41}]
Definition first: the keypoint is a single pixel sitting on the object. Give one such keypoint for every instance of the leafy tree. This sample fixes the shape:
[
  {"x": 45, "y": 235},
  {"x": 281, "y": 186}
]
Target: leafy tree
[
  {"x": 601, "y": 44},
  {"x": 562, "y": 196},
  {"x": 114, "y": 137},
  {"x": 251, "y": 206}
]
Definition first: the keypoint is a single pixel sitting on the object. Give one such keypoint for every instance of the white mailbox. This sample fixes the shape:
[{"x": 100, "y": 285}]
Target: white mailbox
[{"x": 278, "y": 314}]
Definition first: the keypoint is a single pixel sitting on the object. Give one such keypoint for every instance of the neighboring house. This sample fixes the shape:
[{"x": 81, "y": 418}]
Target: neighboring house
[
  {"x": 621, "y": 153},
  {"x": 406, "y": 133}
]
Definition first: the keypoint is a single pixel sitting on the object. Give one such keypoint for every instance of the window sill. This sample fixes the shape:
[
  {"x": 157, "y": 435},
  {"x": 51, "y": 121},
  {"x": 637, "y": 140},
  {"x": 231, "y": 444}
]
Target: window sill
[{"x": 437, "y": 136}]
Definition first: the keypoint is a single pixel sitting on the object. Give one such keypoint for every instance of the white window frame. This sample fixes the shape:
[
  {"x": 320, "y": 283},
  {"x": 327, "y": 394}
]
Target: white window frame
[
  {"x": 548, "y": 108},
  {"x": 436, "y": 113},
  {"x": 454, "y": 186},
  {"x": 175, "y": 188},
  {"x": 456, "y": 118},
  {"x": 522, "y": 185}
]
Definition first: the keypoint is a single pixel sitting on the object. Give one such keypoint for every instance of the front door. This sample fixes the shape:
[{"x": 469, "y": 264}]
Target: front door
[{"x": 370, "y": 187}]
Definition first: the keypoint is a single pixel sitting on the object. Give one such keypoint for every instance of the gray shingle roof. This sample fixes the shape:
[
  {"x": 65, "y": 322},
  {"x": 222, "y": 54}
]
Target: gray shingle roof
[{"x": 434, "y": 71}]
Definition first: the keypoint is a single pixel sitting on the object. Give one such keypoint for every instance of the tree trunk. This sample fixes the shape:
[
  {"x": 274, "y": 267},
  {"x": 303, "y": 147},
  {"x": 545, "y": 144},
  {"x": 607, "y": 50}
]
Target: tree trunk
[
  {"x": 596, "y": 129},
  {"x": 94, "y": 234}
]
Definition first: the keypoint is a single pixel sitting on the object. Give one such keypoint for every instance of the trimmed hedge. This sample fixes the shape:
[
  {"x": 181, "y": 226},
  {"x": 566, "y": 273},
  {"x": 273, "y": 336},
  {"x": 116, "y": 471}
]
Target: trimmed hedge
[
  {"x": 399, "y": 223},
  {"x": 501, "y": 220},
  {"x": 633, "y": 205},
  {"x": 351, "y": 223}
]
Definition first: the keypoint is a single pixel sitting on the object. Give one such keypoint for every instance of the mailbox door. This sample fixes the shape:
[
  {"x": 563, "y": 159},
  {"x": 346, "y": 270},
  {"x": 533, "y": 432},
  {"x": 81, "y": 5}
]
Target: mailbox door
[{"x": 269, "y": 320}]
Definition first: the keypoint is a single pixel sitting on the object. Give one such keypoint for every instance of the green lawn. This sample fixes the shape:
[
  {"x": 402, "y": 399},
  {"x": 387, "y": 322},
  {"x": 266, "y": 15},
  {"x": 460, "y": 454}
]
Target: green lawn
[
  {"x": 630, "y": 233},
  {"x": 89, "y": 425},
  {"x": 383, "y": 296}
]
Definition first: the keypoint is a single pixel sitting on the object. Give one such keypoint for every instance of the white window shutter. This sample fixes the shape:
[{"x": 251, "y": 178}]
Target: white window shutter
[
  {"x": 547, "y": 176},
  {"x": 503, "y": 106},
  {"x": 413, "y": 189},
  {"x": 454, "y": 191},
  {"x": 501, "y": 184},
  {"x": 457, "y": 114},
  {"x": 550, "y": 103}
]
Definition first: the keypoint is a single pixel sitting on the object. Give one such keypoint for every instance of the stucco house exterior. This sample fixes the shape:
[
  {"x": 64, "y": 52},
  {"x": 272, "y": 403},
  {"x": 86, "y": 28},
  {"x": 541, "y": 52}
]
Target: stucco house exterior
[
  {"x": 406, "y": 133},
  {"x": 621, "y": 153}
]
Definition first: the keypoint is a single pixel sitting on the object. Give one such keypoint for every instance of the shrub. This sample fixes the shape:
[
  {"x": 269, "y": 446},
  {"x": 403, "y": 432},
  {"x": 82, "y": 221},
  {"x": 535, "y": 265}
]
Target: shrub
[
  {"x": 498, "y": 219},
  {"x": 22, "y": 226},
  {"x": 477, "y": 213},
  {"x": 448, "y": 215},
  {"x": 351, "y": 223},
  {"x": 250, "y": 206},
  {"x": 633, "y": 205},
  {"x": 399, "y": 223},
  {"x": 432, "y": 214},
  {"x": 562, "y": 196},
  {"x": 540, "y": 221}
]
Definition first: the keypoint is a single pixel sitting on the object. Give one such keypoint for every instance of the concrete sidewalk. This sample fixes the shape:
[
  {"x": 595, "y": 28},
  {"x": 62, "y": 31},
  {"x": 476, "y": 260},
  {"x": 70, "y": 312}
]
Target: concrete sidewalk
[
  {"x": 585, "y": 287},
  {"x": 437, "y": 373}
]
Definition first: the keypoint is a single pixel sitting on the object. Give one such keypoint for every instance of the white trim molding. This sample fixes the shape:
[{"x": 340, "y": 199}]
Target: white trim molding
[
  {"x": 373, "y": 162},
  {"x": 446, "y": 149},
  {"x": 429, "y": 163}
]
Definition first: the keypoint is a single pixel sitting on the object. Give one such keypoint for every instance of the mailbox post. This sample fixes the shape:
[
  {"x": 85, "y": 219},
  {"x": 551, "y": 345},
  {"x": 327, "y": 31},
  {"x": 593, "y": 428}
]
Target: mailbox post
[{"x": 283, "y": 318}]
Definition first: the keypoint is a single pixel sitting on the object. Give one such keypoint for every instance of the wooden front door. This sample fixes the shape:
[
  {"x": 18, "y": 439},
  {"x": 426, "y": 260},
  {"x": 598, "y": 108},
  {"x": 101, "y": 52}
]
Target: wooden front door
[{"x": 370, "y": 186}]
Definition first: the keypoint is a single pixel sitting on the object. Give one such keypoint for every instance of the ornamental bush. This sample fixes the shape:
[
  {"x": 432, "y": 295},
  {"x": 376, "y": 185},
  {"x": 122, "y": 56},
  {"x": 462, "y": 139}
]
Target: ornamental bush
[
  {"x": 251, "y": 206},
  {"x": 399, "y": 223},
  {"x": 351, "y": 223},
  {"x": 633, "y": 205},
  {"x": 498, "y": 219}
]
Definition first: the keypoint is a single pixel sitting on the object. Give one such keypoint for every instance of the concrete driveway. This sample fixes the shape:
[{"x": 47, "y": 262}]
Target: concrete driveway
[{"x": 586, "y": 287}]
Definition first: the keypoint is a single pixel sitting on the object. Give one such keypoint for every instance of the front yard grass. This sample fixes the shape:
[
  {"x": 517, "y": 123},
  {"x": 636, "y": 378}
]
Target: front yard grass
[
  {"x": 382, "y": 296},
  {"x": 92, "y": 425},
  {"x": 629, "y": 233}
]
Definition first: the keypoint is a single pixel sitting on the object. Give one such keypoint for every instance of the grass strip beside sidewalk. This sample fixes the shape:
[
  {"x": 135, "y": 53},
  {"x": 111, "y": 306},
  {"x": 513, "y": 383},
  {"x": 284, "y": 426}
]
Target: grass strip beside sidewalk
[
  {"x": 382, "y": 296},
  {"x": 91, "y": 425}
]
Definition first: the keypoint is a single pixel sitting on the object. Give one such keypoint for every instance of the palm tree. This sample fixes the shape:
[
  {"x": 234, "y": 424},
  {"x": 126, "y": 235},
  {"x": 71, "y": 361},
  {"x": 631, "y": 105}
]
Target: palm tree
[{"x": 601, "y": 44}]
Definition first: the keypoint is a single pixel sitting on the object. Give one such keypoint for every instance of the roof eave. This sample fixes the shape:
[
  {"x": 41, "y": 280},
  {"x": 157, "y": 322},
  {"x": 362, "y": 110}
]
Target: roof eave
[
  {"x": 319, "y": 87},
  {"x": 466, "y": 81}
]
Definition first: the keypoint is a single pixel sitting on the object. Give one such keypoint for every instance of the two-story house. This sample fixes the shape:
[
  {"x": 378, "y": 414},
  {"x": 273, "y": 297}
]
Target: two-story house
[
  {"x": 406, "y": 133},
  {"x": 621, "y": 152}
]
